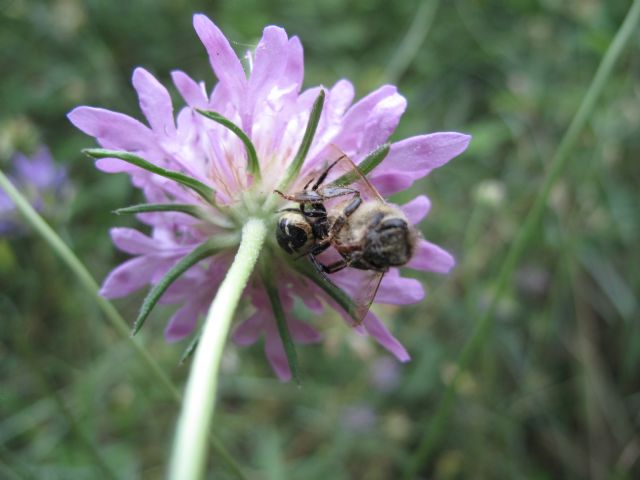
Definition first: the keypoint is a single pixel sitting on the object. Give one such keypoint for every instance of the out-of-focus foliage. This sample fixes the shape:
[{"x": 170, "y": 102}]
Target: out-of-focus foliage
[{"x": 555, "y": 391}]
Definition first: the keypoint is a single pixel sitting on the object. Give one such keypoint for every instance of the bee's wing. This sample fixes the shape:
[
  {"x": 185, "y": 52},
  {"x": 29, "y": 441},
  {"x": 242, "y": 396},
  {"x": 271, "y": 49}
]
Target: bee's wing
[
  {"x": 365, "y": 293},
  {"x": 347, "y": 174}
]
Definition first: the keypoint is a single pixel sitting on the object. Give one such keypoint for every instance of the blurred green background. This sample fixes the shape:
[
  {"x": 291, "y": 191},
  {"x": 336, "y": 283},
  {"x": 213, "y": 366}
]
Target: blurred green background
[{"x": 555, "y": 389}]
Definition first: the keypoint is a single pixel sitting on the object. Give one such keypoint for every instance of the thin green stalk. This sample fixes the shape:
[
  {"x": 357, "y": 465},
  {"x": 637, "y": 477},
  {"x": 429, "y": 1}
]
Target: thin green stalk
[
  {"x": 412, "y": 41},
  {"x": 82, "y": 436},
  {"x": 523, "y": 236},
  {"x": 188, "y": 455},
  {"x": 92, "y": 288}
]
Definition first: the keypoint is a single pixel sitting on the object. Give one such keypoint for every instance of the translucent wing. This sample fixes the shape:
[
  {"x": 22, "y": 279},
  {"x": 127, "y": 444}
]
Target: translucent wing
[
  {"x": 338, "y": 175},
  {"x": 365, "y": 291},
  {"x": 344, "y": 173}
]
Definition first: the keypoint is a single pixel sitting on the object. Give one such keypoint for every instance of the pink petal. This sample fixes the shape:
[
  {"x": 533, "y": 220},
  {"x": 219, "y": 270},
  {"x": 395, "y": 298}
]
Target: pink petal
[
  {"x": 391, "y": 183},
  {"x": 223, "y": 59},
  {"x": 294, "y": 71},
  {"x": 377, "y": 330},
  {"x": 340, "y": 97},
  {"x": 155, "y": 102},
  {"x": 431, "y": 258},
  {"x": 132, "y": 241},
  {"x": 416, "y": 209},
  {"x": 421, "y": 154},
  {"x": 396, "y": 290},
  {"x": 184, "y": 321},
  {"x": 193, "y": 94},
  {"x": 270, "y": 62},
  {"x": 128, "y": 277},
  {"x": 111, "y": 129},
  {"x": 382, "y": 121},
  {"x": 303, "y": 332},
  {"x": 356, "y": 118},
  {"x": 115, "y": 165},
  {"x": 276, "y": 355},
  {"x": 248, "y": 332}
]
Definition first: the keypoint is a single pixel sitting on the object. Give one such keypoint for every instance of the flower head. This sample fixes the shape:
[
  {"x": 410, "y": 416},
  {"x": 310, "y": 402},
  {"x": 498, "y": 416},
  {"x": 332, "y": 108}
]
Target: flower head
[
  {"x": 272, "y": 111},
  {"x": 43, "y": 183}
]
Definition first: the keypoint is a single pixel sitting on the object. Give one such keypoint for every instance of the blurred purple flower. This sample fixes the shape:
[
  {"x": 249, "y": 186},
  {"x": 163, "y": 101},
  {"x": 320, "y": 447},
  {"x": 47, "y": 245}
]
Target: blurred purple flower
[
  {"x": 385, "y": 374},
  {"x": 273, "y": 111},
  {"x": 358, "y": 418},
  {"x": 41, "y": 181}
]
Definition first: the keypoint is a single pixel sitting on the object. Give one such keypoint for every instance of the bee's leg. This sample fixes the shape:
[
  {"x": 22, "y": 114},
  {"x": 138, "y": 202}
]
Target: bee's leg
[
  {"x": 323, "y": 177},
  {"x": 333, "y": 192},
  {"x": 331, "y": 268},
  {"x": 301, "y": 197},
  {"x": 296, "y": 210},
  {"x": 319, "y": 248},
  {"x": 340, "y": 221},
  {"x": 335, "y": 266}
]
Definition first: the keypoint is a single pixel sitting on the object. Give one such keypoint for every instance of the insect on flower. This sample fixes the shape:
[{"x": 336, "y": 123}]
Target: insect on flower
[
  {"x": 340, "y": 208},
  {"x": 206, "y": 167}
]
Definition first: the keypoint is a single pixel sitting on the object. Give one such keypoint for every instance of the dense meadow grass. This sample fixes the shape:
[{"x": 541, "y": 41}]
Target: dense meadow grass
[{"x": 552, "y": 388}]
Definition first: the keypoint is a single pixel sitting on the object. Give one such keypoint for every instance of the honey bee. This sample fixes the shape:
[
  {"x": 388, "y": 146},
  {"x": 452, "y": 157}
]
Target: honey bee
[{"x": 343, "y": 210}]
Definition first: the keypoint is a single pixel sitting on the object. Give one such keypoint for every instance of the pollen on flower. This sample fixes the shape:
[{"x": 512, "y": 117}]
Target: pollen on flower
[{"x": 216, "y": 162}]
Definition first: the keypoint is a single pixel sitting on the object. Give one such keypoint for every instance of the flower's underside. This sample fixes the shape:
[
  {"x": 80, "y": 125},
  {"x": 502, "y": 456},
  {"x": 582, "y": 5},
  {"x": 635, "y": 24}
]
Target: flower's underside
[{"x": 273, "y": 110}]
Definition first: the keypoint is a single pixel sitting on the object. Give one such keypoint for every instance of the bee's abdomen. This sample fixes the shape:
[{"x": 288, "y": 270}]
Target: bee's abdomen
[{"x": 292, "y": 236}]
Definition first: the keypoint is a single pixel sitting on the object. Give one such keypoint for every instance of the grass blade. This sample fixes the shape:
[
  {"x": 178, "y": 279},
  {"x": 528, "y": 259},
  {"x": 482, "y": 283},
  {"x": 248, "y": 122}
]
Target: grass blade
[
  {"x": 525, "y": 233},
  {"x": 161, "y": 207},
  {"x": 335, "y": 292},
  {"x": 252, "y": 157},
  {"x": 309, "y": 133},
  {"x": 365, "y": 166},
  {"x": 202, "y": 251},
  {"x": 281, "y": 320},
  {"x": 87, "y": 282},
  {"x": 207, "y": 193}
]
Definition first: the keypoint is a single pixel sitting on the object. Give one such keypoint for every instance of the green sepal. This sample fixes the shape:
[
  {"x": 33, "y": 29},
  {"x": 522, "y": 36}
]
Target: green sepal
[
  {"x": 366, "y": 166},
  {"x": 252, "y": 157},
  {"x": 281, "y": 321},
  {"x": 309, "y": 133},
  {"x": 202, "y": 251},
  {"x": 188, "y": 352},
  {"x": 192, "y": 210},
  {"x": 330, "y": 288},
  {"x": 206, "y": 192}
]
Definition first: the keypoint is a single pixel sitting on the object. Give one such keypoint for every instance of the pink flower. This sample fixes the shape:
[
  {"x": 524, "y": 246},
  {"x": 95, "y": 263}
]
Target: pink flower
[{"x": 271, "y": 108}]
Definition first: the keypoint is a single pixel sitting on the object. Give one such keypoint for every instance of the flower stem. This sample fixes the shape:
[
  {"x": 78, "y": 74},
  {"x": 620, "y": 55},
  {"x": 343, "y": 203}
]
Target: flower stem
[
  {"x": 188, "y": 456},
  {"x": 92, "y": 288},
  {"x": 523, "y": 236}
]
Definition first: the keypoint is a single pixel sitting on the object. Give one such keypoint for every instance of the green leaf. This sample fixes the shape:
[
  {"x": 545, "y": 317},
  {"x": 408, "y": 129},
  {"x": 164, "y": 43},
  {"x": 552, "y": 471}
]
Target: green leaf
[
  {"x": 190, "y": 348},
  {"x": 252, "y": 157},
  {"x": 312, "y": 125},
  {"x": 335, "y": 292},
  {"x": 161, "y": 207},
  {"x": 202, "y": 251},
  {"x": 283, "y": 327},
  {"x": 365, "y": 166},
  {"x": 197, "y": 186}
]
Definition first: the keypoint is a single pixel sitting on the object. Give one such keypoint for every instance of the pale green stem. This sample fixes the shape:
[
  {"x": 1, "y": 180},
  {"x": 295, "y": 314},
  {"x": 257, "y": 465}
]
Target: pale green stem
[
  {"x": 188, "y": 455},
  {"x": 524, "y": 234},
  {"x": 90, "y": 285}
]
